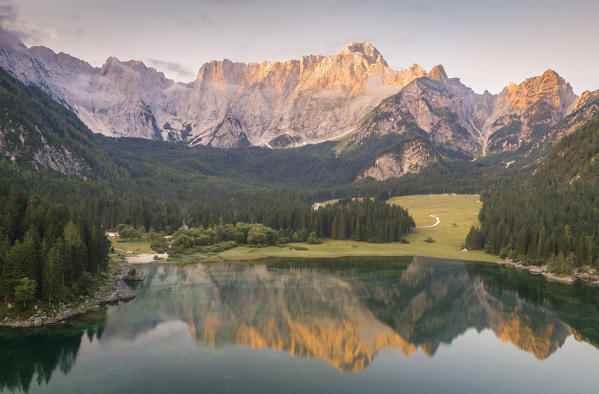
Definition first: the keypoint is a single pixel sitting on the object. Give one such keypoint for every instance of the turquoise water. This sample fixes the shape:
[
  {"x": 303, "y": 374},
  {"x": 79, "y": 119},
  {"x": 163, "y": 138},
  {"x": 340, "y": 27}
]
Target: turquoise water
[{"x": 343, "y": 325}]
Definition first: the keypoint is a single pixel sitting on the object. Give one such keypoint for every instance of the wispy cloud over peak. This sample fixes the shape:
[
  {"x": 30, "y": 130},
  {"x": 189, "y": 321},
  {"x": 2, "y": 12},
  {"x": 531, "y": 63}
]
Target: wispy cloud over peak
[
  {"x": 29, "y": 32},
  {"x": 173, "y": 69}
]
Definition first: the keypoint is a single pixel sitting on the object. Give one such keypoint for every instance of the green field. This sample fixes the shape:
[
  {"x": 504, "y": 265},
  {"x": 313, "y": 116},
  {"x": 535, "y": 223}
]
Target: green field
[
  {"x": 132, "y": 248},
  {"x": 457, "y": 213}
]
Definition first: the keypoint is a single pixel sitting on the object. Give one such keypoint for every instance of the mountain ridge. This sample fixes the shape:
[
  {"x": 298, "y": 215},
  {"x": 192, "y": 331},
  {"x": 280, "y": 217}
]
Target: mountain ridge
[{"x": 347, "y": 96}]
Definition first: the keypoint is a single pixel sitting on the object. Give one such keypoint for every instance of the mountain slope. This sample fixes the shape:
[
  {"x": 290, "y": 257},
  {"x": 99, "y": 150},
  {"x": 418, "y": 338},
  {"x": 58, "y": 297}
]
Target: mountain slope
[
  {"x": 345, "y": 96},
  {"x": 312, "y": 99},
  {"x": 446, "y": 110},
  {"x": 38, "y": 132},
  {"x": 552, "y": 215},
  {"x": 35, "y": 130},
  {"x": 584, "y": 108},
  {"x": 524, "y": 113}
]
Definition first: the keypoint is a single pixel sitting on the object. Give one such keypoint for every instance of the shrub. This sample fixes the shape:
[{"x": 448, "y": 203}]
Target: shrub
[
  {"x": 298, "y": 247},
  {"x": 261, "y": 235},
  {"x": 128, "y": 232},
  {"x": 313, "y": 239},
  {"x": 159, "y": 244}
]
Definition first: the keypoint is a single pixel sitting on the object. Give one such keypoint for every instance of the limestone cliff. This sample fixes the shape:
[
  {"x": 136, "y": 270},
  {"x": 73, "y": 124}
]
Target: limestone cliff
[
  {"x": 312, "y": 99},
  {"x": 412, "y": 157},
  {"x": 350, "y": 95},
  {"x": 524, "y": 113},
  {"x": 446, "y": 110}
]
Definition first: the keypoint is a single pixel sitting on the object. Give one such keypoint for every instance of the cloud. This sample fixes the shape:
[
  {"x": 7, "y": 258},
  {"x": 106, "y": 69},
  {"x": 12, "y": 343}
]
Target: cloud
[
  {"x": 8, "y": 13},
  {"x": 26, "y": 31},
  {"x": 179, "y": 71}
]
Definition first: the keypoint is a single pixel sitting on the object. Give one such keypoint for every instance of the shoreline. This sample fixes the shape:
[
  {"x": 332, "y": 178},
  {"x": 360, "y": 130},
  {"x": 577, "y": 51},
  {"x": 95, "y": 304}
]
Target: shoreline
[
  {"x": 106, "y": 293},
  {"x": 587, "y": 278},
  {"x": 231, "y": 256}
]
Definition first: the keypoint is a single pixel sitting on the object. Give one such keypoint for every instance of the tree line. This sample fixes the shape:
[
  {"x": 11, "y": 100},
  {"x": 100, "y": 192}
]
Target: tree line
[
  {"x": 367, "y": 220},
  {"x": 359, "y": 220}
]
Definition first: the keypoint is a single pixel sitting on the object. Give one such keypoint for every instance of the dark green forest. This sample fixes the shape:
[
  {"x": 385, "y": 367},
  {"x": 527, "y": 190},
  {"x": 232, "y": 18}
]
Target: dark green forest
[
  {"x": 47, "y": 251},
  {"x": 552, "y": 215},
  {"x": 359, "y": 220}
]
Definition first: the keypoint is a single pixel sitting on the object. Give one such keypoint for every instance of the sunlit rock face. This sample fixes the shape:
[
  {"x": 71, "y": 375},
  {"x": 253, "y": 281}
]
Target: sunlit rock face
[
  {"x": 584, "y": 108},
  {"x": 525, "y": 113},
  {"x": 450, "y": 113},
  {"x": 531, "y": 115},
  {"x": 349, "y": 96},
  {"x": 344, "y": 317},
  {"x": 312, "y": 99}
]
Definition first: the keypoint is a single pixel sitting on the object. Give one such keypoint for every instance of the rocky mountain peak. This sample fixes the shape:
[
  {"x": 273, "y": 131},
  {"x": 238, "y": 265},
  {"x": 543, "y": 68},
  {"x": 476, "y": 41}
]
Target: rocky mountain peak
[
  {"x": 586, "y": 98},
  {"x": 111, "y": 65},
  {"x": 308, "y": 100},
  {"x": 136, "y": 65},
  {"x": 42, "y": 51},
  {"x": 549, "y": 87},
  {"x": 437, "y": 73},
  {"x": 63, "y": 61},
  {"x": 524, "y": 113},
  {"x": 551, "y": 74},
  {"x": 417, "y": 69},
  {"x": 366, "y": 49},
  {"x": 10, "y": 39}
]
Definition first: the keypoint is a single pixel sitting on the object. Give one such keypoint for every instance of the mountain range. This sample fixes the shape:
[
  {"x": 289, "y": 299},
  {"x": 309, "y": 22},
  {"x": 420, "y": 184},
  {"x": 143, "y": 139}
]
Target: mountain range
[{"x": 352, "y": 98}]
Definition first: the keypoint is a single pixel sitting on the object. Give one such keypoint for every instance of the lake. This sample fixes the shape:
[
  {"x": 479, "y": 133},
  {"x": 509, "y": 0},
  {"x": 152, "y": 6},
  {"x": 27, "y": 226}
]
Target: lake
[{"x": 361, "y": 325}]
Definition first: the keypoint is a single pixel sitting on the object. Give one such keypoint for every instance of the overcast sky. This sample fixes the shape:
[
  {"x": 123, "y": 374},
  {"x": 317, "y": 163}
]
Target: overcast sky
[{"x": 485, "y": 44}]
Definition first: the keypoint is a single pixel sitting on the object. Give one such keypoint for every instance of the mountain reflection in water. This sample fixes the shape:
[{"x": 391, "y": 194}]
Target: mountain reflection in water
[{"x": 343, "y": 311}]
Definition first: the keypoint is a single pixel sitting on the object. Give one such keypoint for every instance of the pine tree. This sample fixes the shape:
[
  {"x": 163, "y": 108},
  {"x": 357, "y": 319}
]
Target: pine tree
[
  {"x": 33, "y": 263},
  {"x": 13, "y": 269},
  {"x": 25, "y": 290},
  {"x": 75, "y": 258},
  {"x": 52, "y": 278}
]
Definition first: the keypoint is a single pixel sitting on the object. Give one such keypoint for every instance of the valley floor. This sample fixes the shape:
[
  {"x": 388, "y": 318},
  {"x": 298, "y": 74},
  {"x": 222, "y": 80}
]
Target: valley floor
[
  {"x": 442, "y": 223},
  {"x": 338, "y": 248},
  {"x": 444, "y": 218}
]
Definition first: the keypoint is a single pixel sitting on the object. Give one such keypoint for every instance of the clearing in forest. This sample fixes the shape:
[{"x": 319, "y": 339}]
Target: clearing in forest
[{"x": 455, "y": 213}]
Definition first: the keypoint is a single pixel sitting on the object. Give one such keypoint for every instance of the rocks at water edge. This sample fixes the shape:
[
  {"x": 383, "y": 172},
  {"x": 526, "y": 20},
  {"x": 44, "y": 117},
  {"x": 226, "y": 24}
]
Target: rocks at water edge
[
  {"x": 116, "y": 297},
  {"x": 90, "y": 304},
  {"x": 111, "y": 299},
  {"x": 127, "y": 297},
  {"x": 136, "y": 277}
]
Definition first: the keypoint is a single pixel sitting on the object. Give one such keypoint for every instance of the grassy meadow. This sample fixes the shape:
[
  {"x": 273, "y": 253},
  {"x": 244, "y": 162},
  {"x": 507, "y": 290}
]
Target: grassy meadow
[
  {"x": 132, "y": 247},
  {"x": 457, "y": 213}
]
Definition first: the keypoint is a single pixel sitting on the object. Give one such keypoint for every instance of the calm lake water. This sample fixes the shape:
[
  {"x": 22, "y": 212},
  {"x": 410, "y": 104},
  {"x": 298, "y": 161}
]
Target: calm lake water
[{"x": 361, "y": 325}]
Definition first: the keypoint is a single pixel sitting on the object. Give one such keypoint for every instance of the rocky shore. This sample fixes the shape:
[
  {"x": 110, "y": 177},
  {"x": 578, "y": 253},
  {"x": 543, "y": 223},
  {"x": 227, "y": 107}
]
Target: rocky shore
[
  {"x": 590, "y": 277},
  {"x": 58, "y": 313}
]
